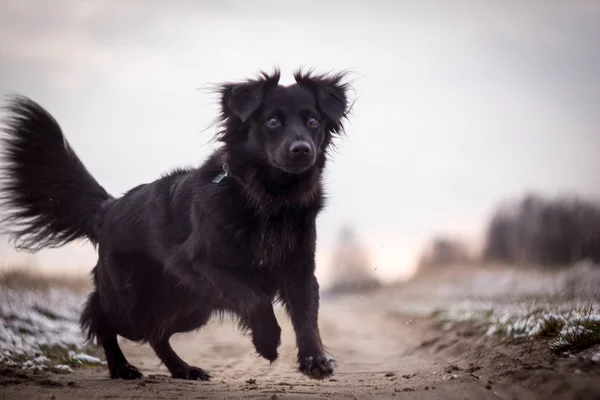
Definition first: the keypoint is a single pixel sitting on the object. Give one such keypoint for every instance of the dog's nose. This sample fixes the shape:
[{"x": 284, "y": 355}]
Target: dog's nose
[{"x": 300, "y": 148}]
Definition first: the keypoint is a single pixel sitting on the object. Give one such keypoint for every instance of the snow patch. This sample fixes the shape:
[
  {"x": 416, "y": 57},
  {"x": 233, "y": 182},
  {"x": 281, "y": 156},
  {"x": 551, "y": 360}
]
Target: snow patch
[
  {"x": 33, "y": 321},
  {"x": 63, "y": 367},
  {"x": 84, "y": 358}
]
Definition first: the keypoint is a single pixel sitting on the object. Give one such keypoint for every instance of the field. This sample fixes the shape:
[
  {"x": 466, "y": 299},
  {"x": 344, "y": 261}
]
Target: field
[{"x": 456, "y": 333}]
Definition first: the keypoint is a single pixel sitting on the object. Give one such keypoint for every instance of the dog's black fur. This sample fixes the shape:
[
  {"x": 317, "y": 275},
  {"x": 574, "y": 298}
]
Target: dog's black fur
[{"x": 174, "y": 252}]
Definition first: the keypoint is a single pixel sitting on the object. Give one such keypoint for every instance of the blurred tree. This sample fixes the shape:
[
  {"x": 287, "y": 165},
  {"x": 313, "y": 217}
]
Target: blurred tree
[
  {"x": 445, "y": 251},
  {"x": 351, "y": 267}
]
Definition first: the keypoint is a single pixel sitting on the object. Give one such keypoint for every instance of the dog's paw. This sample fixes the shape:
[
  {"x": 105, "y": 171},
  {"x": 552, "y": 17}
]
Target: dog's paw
[
  {"x": 317, "y": 367},
  {"x": 191, "y": 374},
  {"x": 266, "y": 344},
  {"x": 266, "y": 338},
  {"x": 126, "y": 371}
]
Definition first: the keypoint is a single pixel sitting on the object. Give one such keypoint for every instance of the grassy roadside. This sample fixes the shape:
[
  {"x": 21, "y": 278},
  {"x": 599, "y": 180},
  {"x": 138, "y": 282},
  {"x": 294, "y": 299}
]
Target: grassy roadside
[
  {"x": 39, "y": 322},
  {"x": 565, "y": 328}
]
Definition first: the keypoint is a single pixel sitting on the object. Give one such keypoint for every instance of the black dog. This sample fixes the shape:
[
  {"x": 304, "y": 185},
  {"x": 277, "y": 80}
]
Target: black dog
[{"x": 228, "y": 237}]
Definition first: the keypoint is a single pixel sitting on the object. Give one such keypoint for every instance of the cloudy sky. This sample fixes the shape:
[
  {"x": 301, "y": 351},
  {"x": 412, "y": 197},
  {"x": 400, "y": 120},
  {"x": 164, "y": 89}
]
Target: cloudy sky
[{"x": 461, "y": 104}]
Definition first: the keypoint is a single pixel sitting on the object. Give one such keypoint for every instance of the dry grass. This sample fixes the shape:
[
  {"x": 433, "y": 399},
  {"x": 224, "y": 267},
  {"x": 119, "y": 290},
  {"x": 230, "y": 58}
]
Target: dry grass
[{"x": 24, "y": 278}]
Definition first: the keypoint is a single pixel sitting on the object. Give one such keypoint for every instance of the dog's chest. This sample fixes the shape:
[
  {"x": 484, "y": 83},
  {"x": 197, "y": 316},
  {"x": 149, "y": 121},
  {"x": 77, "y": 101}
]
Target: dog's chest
[{"x": 273, "y": 240}]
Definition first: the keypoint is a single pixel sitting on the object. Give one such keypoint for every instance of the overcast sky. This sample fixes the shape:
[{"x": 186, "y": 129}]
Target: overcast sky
[{"x": 461, "y": 104}]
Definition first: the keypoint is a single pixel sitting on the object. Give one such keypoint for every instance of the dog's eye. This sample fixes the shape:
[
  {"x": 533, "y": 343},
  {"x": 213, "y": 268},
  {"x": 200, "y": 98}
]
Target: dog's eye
[
  {"x": 272, "y": 122},
  {"x": 312, "y": 122}
]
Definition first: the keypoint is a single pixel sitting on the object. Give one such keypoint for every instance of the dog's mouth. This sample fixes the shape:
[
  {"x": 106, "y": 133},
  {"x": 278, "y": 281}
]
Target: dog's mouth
[{"x": 295, "y": 169}]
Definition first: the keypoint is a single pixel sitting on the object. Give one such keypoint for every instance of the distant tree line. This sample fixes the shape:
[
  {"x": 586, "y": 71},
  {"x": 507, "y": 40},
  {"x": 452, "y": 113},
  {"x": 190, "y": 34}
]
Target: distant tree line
[
  {"x": 531, "y": 230},
  {"x": 542, "y": 231}
]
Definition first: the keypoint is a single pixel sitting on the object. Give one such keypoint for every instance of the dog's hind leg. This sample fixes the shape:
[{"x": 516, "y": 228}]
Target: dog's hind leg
[
  {"x": 177, "y": 367},
  {"x": 93, "y": 319},
  {"x": 118, "y": 365}
]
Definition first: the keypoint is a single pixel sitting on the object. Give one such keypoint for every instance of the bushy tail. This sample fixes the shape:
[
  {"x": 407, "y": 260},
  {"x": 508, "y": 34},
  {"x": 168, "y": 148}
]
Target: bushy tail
[{"x": 47, "y": 196}]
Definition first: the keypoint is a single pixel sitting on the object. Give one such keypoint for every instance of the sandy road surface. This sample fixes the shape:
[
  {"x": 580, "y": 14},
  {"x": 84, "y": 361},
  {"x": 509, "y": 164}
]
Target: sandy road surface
[{"x": 380, "y": 355}]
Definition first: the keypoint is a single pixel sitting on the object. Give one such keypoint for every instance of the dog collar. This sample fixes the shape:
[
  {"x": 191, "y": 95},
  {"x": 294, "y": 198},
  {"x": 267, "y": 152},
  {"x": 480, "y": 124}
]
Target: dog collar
[{"x": 219, "y": 178}]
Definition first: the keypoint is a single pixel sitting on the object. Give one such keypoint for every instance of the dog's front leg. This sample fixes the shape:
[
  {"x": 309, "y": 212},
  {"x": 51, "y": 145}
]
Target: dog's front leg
[
  {"x": 301, "y": 297},
  {"x": 222, "y": 290}
]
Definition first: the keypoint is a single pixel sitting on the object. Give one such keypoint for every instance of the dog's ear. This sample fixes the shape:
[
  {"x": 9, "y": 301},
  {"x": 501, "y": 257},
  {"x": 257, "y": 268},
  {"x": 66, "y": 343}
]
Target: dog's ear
[
  {"x": 330, "y": 91},
  {"x": 244, "y": 98},
  {"x": 332, "y": 100}
]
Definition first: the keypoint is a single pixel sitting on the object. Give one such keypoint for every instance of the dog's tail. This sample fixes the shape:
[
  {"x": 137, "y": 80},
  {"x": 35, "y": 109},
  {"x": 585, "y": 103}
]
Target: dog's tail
[{"x": 48, "y": 197}]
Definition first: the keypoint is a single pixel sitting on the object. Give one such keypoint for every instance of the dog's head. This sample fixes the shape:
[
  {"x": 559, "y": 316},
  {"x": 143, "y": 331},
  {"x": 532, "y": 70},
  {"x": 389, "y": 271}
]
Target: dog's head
[{"x": 289, "y": 128}]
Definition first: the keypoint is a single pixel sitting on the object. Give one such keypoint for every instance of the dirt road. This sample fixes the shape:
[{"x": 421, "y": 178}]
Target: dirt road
[{"x": 380, "y": 354}]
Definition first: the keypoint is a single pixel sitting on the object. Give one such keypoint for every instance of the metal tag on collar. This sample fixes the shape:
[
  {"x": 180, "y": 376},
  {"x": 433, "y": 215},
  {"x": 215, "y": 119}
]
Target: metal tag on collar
[{"x": 219, "y": 178}]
